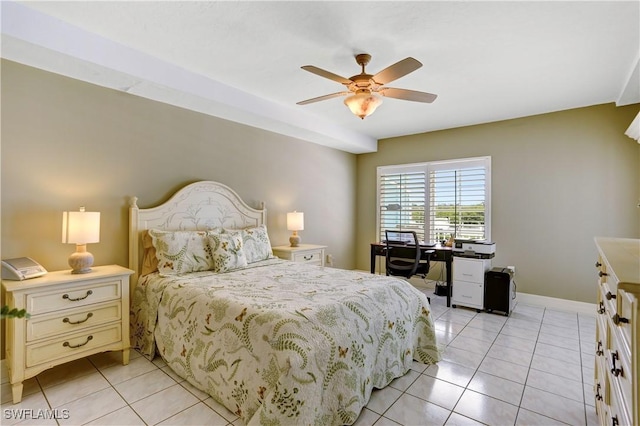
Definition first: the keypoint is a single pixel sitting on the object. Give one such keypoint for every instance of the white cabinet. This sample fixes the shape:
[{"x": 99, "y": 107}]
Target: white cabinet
[
  {"x": 305, "y": 253},
  {"x": 617, "y": 333},
  {"x": 71, "y": 316},
  {"x": 468, "y": 282}
]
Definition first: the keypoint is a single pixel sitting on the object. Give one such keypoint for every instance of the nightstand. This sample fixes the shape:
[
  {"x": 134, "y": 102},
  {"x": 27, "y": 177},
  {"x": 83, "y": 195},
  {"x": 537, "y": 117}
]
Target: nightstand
[
  {"x": 71, "y": 316},
  {"x": 304, "y": 253}
]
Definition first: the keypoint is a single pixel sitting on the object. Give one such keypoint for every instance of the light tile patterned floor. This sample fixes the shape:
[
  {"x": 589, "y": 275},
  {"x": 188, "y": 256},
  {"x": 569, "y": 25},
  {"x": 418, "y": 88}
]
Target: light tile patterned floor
[{"x": 532, "y": 368}]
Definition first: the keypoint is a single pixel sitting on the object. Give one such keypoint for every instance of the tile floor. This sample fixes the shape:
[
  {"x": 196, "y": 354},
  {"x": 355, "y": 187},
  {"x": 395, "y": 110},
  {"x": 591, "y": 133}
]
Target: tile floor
[{"x": 532, "y": 368}]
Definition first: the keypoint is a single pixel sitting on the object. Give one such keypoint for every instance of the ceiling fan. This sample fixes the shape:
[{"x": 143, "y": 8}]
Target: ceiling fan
[{"x": 363, "y": 87}]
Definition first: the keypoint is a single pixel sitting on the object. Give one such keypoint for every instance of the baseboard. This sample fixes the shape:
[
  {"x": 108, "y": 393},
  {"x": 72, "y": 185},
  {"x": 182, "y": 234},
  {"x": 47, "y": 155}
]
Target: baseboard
[{"x": 555, "y": 303}]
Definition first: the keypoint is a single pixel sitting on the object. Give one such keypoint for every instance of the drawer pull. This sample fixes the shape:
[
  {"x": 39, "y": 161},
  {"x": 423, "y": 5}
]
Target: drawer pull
[
  {"x": 617, "y": 319},
  {"x": 66, "y": 296},
  {"x": 308, "y": 257},
  {"x": 89, "y": 338},
  {"x": 614, "y": 421},
  {"x": 602, "y": 274},
  {"x": 89, "y": 315},
  {"x": 601, "y": 309},
  {"x": 598, "y": 264},
  {"x": 615, "y": 371},
  {"x": 610, "y": 296},
  {"x": 599, "y": 350},
  {"x": 598, "y": 396}
]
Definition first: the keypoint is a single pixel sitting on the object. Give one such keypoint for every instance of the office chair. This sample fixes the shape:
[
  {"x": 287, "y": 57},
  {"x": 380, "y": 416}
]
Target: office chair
[{"x": 404, "y": 255}]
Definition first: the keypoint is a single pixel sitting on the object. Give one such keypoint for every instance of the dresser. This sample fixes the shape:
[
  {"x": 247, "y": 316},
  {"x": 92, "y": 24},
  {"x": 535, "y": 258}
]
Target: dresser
[
  {"x": 468, "y": 282},
  {"x": 305, "y": 253},
  {"x": 71, "y": 316},
  {"x": 617, "y": 358}
]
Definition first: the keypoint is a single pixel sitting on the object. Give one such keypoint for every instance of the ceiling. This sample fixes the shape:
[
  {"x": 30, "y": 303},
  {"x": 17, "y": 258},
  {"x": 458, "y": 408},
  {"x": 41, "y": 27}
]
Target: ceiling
[{"x": 486, "y": 61}]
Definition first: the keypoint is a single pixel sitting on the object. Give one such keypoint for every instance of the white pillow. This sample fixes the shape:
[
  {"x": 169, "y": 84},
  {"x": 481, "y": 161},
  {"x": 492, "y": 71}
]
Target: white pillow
[
  {"x": 227, "y": 251},
  {"x": 181, "y": 252},
  {"x": 257, "y": 246}
]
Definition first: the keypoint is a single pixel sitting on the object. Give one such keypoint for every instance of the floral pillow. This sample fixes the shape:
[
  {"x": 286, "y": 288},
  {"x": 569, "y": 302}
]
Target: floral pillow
[
  {"x": 227, "y": 251},
  {"x": 256, "y": 244},
  {"x": 181, "y": 252}
]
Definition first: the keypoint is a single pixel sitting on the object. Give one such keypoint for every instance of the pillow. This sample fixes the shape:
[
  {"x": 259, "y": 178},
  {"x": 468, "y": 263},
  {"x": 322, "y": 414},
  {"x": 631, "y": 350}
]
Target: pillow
[
  {"x": 256, "y": 244},
  {"x": 181, "y": 252},
  {"x": 149, "y": 259},
  {"x": 227, "y": 251}
]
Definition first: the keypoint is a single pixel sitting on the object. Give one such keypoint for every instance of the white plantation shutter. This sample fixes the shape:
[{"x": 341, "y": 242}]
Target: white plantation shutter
[
  {"x": 401, "y": 204},
  {"x": 437, "y": 199}
]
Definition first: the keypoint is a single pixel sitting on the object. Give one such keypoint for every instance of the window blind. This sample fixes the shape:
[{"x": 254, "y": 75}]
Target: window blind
[
  {"x": 437, "y": 200},
  {"x": 402, "y": 202}
]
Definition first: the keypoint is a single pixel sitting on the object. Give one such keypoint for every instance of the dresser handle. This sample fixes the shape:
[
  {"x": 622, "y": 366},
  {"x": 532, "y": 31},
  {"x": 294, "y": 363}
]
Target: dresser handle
[
  {"x": 615, "y": 371},
  {"x": 601, "y": 309},
  {"x": 614, "y": 421},
  {"x": 89, "y": 315},
  {"x": 617, "y": 319},
  {"x": 599, "y": 350},
  {"x": 598, "y": 264},
  {"x": 89, "y": 338},
  {"x": 610, "y": 296},
  {"x": 602, "y": 274},
  {"x": 598, "y": 396},
  {"x": 66, "y": 296},
  {"x": 308, "y": 258}
]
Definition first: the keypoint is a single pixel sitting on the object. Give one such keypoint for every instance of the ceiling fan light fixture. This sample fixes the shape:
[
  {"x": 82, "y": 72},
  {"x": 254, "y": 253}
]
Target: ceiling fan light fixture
[{"x": 363, "y": 104}]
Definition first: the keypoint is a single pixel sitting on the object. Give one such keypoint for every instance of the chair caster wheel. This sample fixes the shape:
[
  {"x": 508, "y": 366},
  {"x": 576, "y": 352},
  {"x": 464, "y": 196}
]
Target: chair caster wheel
[
  {"x": 478, "y": 310},
  {"x": 453, "y": 306}
]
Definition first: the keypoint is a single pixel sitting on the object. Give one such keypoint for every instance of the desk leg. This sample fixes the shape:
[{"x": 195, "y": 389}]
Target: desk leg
[
  {"x": 373, "y": 260},
  {"x": 449, "y": 289}
]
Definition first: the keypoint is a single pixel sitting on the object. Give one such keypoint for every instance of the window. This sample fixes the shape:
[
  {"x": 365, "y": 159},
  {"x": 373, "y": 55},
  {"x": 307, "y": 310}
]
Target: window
[{"x": 436, "y": 199}]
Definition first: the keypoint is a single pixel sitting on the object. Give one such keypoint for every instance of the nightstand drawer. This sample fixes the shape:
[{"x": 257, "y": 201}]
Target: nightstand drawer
[
  {"x": 310, "y": 257},
  {"x": 73, "y": 296},
  {"x": 72, "y": 320},
  {"x": 71, "y": 344}
]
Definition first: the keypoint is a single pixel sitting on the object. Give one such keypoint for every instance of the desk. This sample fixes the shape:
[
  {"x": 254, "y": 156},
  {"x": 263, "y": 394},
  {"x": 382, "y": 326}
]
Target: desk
[{"x": 441, "y": 254}]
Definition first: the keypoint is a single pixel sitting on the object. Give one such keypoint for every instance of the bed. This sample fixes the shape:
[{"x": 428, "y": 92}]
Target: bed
[{"x": 274, "y": 341}]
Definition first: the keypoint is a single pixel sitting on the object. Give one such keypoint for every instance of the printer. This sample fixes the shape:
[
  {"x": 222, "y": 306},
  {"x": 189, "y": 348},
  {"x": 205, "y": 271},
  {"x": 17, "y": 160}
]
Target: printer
[{"x": 478, "y": 249}]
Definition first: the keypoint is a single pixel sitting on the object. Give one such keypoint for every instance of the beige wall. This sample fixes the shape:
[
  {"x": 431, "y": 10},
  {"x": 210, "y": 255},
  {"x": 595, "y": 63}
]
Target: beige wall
[
  {"x": 66, "y": 143},
  {"x": 558, "y": 180}
]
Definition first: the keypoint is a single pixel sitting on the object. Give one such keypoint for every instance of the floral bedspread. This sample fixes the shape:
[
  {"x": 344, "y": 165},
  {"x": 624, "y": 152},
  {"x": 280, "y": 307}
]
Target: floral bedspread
[{"x": 284, "y": 342}]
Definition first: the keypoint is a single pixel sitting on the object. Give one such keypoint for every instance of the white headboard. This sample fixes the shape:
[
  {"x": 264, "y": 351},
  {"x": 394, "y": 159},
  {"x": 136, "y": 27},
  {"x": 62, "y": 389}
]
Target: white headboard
[{"x": 198, "y": 206}]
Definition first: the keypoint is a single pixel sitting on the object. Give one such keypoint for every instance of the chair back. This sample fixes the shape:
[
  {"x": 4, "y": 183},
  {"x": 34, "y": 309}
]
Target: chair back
[{"x": 402, "y": 253}]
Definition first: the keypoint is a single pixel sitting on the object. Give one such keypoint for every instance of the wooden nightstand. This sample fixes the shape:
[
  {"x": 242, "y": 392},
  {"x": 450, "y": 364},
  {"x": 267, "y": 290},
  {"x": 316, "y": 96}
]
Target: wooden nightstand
[
  {"x": 305, "y": 253},
  {"x": 72, "y": 316}
]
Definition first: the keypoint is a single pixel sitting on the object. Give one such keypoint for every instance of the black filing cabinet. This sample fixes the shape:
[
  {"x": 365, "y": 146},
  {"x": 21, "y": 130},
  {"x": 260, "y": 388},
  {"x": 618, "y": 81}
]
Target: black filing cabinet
[{"x": 499, "y": 290}]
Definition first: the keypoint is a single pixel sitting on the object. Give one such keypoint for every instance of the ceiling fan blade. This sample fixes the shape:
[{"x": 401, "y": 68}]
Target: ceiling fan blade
[
  {"x": 322, "y": 98},
  {"x": 407, "y": 95},
  {"x": 397, "y": 70},
  {"x": 326, "y": 74}
]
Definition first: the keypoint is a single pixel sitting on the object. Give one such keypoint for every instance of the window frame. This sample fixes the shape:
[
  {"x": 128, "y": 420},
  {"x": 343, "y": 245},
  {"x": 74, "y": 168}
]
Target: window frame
[{"x": 427, "y": 168}]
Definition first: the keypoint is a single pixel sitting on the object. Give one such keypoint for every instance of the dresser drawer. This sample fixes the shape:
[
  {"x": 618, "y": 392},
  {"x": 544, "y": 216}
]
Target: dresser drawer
[
  {"x": 72, "y": 320},
  {"x": 73, "y": 344},
  {"x": 310, "y": 257},
  {"x": 627, "y": 305},
  {"x": 619, "y": 368},
  {"x": 73, "y": 296},
  {"x": 468, "y": 270}
]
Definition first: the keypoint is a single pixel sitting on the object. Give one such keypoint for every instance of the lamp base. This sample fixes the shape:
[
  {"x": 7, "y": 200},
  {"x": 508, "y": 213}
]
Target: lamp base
[
  {"x": 81, "y": 261},
  {"x": 295, "y": 239}
]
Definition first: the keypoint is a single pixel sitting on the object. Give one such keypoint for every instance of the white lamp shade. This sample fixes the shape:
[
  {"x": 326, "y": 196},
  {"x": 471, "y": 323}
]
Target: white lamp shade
[
  {"x": 295, "y": 221},
  {"x": 80, "y": 227}
]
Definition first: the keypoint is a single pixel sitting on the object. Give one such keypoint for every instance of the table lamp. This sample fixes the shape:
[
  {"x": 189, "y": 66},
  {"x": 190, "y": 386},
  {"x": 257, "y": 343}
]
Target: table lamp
[
  {"x": 80, "y": 228},
  {"x": 295, "y": 223}
]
